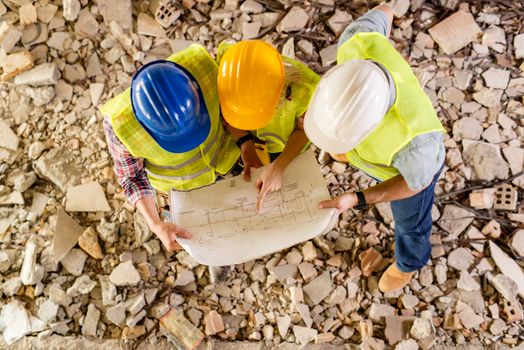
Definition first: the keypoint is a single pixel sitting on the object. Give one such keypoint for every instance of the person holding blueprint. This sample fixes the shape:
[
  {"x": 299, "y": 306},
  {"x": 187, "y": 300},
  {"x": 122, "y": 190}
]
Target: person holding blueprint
[
  {"x": 165, "y": 133},
  {"x": 262, "y": 96},
  {"x": 370, "y": 111}
]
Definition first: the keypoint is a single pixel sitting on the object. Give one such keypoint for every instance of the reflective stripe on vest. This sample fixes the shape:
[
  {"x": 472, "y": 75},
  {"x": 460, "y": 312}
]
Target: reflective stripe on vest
[
  {"x": 182, "y": 171},
  {"x": 277, "y": 131},
  {"x": 412, "y": 113}
]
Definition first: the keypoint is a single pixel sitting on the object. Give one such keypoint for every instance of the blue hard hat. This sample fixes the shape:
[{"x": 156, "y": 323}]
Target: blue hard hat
[{"x": 168, "y": 102}]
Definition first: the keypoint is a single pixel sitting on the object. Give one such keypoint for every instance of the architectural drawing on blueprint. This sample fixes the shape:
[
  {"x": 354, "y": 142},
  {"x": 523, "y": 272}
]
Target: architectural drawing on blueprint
[{"x": 227, "y": 229}]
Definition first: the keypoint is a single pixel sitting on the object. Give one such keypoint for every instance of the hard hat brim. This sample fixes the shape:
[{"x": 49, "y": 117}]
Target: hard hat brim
[
  {"x": 243, "y": 122},
  {"x": 321, "y": 140}
]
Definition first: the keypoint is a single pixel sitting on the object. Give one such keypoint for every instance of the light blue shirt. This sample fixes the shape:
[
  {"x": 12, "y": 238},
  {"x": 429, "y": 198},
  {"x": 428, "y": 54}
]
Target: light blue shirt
[{"x": 419, "y": 160}]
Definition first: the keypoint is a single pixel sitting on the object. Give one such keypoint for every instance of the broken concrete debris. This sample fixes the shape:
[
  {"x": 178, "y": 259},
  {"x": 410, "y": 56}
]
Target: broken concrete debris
[
  {"x": 455, "y": 32},
  {"x": 61, "y": 61}
]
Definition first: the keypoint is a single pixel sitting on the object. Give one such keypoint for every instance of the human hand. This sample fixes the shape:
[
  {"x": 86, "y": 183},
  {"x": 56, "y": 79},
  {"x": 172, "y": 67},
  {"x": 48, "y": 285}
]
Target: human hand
[
  {"x": 168, "y": 232},
  {"x": 341, "y": 203},
  {"x": 269, "y": 181},
  {"x": 249, "y": 158}
]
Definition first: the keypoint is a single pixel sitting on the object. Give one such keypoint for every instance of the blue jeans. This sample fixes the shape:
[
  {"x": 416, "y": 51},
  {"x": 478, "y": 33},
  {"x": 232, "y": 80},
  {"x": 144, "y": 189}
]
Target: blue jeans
[{"x": 413, "y": 227}]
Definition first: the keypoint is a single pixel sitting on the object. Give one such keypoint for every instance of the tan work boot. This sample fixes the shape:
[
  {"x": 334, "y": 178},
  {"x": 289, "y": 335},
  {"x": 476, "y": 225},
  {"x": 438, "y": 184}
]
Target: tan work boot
[{"x": 394, "y": 279}]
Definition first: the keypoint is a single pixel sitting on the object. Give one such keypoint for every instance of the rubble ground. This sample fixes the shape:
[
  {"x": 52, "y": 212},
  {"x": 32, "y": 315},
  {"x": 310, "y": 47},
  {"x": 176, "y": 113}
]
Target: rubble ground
[{"x": 59, "y": 198}]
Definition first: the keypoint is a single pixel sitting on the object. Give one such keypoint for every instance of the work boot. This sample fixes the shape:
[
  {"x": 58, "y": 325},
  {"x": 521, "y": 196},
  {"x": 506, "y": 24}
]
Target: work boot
[{"x": 394, "y": 279}]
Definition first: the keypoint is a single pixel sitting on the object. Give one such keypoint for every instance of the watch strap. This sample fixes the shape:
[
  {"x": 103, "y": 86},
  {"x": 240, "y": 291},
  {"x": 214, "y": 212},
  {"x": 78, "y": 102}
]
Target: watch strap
[
  {"x": 361, "y": 201},
  {"x": 245, "y": 138}
]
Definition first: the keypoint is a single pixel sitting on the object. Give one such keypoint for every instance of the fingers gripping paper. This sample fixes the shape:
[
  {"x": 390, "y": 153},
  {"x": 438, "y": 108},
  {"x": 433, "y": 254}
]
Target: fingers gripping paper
[{"x": 226, "y": 229}]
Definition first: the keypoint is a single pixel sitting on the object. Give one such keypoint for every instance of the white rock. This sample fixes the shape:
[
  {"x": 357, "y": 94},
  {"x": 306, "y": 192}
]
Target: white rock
[
  {"x": 495, "y": 38},
  {"x": 467, "y": 128},
  {"x": 250, "y": 30},
  {"x": 408, "y": 344},
  {"x": 294, "y": 20},
  {"x": 251, "y": 6},
  {"x": 47, "y": 311},
  {"x": 66, "y": 234},
  {"x": 409, "y": 301},
  {"x": 86, "y": 26},
  {"x": 467, "y": 316},
  {"x": 504, "y": 285},
  {"x": 135, "y": 304},
  {"x": 303, "y": 310},
  {"x": 71, "y": 9},
  {"x": 147, "y": 25},
  {"x": 488, "y": 97},
  {"x": 90, "y": 321},
  {"x": 22, "y": 183},
  {"x": 485, "y": 160},
  {"x": 58, "y": 296},
  {"x": 268, "y": 331},
  {"x": 131, "y": 321},
  {"x": 11, "y": 286},
  {"x": 339, "y": 21},
  {"x": 420, "y": 329},
  {"x": 57, "y": 39},
  {"x": 9, "y": 36},
  {"x": 108, "y": 290},
  {"x": 125, "y": 274},
  {"x": 16, "y": 321},
  {"x": 518, "y": 43},
  {"x": 304, "y": 335},
  {"x": 117, "y": 314},
  {"x": 474, "y": 233},
  {"x": 35, "y": 149},
  {"x": 14, "y": 197},
  {"x": 328, "y": 55},
  {"x": 74, "y": 261},
  {"x": 467, "y": 282},
  {"x": 517, "y": 242},
  {"x": 93, "y": 66},
  {"x": 515, "y": 158},
  {"x": 492, "y": 134},
  {"x": 455, "y": 32},
  {"x": 460, "y": 259},
  {"x": 31, "y": 272},
  {"x": 497, "y": 326},
  {"x": 283, "y": 323},
  {"x": 8, "y": 138},
  {"x": 318, "y": 289},
  {"x": 378, "y": 312},
  {"x": 507, "y": 266},
  {"x": 96, "y": 90},
  {"x": 496, "y": 78},
  {"x": 43, "y": 74},
  {"x": 400, "y": 7},
  {"x": 309, "y": 251},
  {"x": 87, "y": 197},
  {"x": 184, "y": 278},
  {"x": 82, "y": 285},
  {"x": 454, "y": 219}
]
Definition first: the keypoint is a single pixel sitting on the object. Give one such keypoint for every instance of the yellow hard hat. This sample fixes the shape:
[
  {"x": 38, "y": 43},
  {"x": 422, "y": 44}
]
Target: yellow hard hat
[{"x": 250, "y": 81}]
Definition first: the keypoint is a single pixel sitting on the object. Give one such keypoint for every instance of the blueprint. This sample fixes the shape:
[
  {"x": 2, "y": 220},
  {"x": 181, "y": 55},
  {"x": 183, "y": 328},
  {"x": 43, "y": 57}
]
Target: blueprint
[{"x": 227, "y": 230}]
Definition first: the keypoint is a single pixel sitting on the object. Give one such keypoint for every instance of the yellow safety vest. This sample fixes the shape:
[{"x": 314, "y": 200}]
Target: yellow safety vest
[
  {"x": 277, "y": 131},
  {"x": 181, "y": 171},
  {"x": 411, "y": 114}
]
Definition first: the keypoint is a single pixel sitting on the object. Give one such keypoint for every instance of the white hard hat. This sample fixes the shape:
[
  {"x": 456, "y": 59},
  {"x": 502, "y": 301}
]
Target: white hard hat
[{"x": 349, "y": 102}]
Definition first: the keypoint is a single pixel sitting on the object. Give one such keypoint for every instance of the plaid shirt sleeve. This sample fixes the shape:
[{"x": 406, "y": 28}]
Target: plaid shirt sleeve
[{"x": 129, "y": 170}]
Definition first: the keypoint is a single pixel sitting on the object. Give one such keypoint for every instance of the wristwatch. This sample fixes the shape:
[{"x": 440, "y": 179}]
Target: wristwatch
[
  {"x": 245, "y": 138},
  {"x": 361, "y": 205}
]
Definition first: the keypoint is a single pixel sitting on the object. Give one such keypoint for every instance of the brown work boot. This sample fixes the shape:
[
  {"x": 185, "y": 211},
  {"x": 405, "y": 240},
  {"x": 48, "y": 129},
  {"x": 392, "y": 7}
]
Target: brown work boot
[{"x": 394, "y": 279}]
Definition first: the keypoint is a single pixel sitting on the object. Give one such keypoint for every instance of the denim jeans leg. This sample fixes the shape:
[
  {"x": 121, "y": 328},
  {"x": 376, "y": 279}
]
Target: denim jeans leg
[{"x": 413, "y": 227}]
